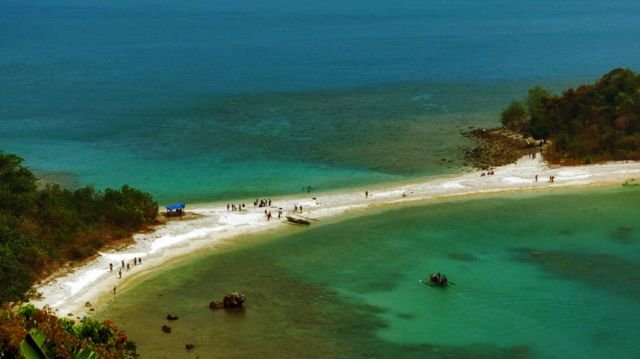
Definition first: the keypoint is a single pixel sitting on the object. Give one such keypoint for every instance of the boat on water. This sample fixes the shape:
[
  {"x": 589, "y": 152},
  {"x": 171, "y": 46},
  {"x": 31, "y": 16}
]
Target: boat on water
[{"x": 436, "y": 280}]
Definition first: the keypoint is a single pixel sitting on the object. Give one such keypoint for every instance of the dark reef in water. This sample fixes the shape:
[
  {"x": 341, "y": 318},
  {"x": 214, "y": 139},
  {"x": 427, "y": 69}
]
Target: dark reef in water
[
  {"x": 623, "y": 235},
  {"x": 601, "y": 271}
]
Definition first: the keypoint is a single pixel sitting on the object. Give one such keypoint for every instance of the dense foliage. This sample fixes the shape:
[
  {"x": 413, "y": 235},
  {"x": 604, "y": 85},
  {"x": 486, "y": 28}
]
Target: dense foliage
[
  {"x": 40, "y": 228},
  {"x": 594, "y": 122},
  {"x": 64, "y": 338}
]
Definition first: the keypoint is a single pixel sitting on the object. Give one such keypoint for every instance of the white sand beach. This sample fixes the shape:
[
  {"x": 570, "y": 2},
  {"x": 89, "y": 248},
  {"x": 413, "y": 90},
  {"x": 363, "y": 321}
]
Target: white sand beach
[{"x": 68, "y": 290}]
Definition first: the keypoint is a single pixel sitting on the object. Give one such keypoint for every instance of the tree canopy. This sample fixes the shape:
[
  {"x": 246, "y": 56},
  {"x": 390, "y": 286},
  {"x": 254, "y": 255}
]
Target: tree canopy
[
  {"x": 593, "y": 122},
  {"x": 41, "y": 228}
]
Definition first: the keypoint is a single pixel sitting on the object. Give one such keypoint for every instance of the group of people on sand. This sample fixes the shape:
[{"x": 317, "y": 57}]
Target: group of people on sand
[
  {"x": 297, "y": 209},
  {"x": 234, "y": 208},
  {"x": 439, "y": 279},
  {"x": 262, "y": 203},
  {"x": 268, "y": 215},
  {"x": 127, "y": 265},
  {"x": 488, "y": 173}
]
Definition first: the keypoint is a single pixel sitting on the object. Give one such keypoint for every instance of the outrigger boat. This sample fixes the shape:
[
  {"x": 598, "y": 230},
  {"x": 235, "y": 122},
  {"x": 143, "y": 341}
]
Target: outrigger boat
[{"x": 436, "y": 280}]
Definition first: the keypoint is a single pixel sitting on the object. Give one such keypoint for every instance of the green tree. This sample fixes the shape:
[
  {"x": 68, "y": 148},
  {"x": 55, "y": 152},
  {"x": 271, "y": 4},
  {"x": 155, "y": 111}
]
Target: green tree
[
  {"x": 537, "y": 98},
  {"x": 17, "y": 184},
  {"x": 514, "y": 116}
]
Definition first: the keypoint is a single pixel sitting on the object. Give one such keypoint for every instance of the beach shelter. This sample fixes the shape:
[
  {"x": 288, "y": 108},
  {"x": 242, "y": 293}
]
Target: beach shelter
[{"x": 177, "y": 208}]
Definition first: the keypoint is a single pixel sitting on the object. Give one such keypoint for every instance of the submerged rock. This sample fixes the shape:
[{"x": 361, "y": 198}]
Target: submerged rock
[
  {"x": 166, "y": 328},
  {"x": 172, "y": 317},
  {"x": 231, "y": 300},
  {"x": 189, "y": 346}
]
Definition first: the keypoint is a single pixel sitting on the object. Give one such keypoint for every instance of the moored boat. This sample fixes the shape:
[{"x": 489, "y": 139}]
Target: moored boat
[{"x": 436, "y": 280}]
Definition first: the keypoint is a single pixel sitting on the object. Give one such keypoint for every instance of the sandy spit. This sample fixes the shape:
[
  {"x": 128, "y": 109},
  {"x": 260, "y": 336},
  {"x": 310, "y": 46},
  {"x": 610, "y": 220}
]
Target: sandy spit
[{"x": 68, "y": 290}]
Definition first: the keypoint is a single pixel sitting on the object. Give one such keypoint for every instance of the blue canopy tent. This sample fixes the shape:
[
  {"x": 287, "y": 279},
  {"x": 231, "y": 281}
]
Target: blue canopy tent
[{"x": 177, "y": 208}]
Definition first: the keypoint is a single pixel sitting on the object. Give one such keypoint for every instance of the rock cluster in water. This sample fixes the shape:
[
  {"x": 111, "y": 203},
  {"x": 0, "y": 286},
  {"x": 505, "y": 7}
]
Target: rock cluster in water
[{"x": 231, "y": 300}]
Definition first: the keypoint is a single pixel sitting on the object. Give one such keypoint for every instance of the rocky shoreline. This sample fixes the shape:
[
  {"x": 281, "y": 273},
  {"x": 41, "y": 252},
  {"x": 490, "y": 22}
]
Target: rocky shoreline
[{"x": 496, "y": 147}]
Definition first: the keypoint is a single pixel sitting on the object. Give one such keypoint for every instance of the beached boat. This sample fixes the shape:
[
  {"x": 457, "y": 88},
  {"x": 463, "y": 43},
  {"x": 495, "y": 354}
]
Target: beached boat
[{"x": 297, "y": 220}]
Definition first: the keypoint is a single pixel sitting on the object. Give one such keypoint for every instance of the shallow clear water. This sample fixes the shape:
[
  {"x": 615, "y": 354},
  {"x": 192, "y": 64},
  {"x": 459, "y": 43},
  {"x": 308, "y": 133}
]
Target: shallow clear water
[
  {"x": 209, "y": 100},
  {"x": 549, "y": 276}
]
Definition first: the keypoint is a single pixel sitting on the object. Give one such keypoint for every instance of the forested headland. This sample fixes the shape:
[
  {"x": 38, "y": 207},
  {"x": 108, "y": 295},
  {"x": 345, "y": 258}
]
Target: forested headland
[
  {"x": 591, "y": 123},
  {"x": 44, "y": 227}
]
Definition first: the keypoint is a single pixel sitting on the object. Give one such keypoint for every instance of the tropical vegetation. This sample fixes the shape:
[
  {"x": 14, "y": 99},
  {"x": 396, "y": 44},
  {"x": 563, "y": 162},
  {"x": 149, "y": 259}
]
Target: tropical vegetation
[
  {"x": 45, "y": 226},
  {"x": 593, "y": 122},
  {"x": 37, "y": 333}
]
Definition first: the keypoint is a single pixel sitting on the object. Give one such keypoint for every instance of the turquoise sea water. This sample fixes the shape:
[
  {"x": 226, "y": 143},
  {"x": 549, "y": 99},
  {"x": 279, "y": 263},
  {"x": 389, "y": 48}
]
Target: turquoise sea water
[
  {"x": 552, "y": 276},
  {"x": 210, "y": 100}
]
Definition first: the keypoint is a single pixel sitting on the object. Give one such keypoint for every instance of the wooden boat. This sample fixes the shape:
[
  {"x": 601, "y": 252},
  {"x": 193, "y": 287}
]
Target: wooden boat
[
  {"x": 297, "y": 220},
  {"x": 432, "y": 282}
]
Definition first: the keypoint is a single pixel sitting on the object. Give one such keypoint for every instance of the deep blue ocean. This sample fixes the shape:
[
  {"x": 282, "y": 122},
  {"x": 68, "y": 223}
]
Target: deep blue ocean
[{"x": 211, "y": 100}]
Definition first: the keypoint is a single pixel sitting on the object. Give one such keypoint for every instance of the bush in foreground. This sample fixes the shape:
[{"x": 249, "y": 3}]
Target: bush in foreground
[{"x": 60, "y": 337}]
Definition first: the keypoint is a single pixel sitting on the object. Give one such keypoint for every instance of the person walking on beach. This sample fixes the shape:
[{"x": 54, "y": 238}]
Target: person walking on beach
[
  {"x": 366, "y": 194},
  {"x": 119, "y": 273},
  {"x": 127, "y": 267},
  {"x": 536, "y": 178},
  {"x": 110, "y": 267},
  {"x": 122, "y": 264},
  {"x": 114, "y": 290}
]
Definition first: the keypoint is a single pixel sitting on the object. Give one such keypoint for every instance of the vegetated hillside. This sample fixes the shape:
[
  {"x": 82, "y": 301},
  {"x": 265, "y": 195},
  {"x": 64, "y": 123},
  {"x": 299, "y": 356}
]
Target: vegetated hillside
[
  {"x": 37, "y": 333},
  {"x": 591, "y": 123},
  {"x": 40, "y": 229}
]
